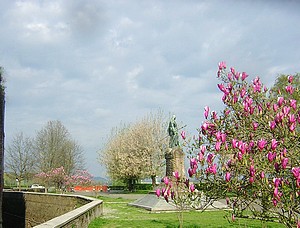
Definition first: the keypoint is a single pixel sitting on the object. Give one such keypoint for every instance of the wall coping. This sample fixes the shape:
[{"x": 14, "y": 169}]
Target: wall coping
[{"x": 66, "y": 218}]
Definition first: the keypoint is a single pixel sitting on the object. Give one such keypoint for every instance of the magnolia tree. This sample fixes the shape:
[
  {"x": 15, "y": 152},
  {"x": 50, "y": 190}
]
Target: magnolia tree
[
  {"x": 60, "y": 179},
  {"x": 249, "y": 152},
  {"x": 81, "y": 177}
]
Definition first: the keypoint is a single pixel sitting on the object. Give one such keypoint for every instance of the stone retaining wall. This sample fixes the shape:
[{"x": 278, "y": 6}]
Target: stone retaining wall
[{"x": 49, "y": 210}]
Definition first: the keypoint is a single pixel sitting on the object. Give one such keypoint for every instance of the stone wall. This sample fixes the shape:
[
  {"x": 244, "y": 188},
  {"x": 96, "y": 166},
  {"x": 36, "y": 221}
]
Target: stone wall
[{"x": 31, "y": 209}]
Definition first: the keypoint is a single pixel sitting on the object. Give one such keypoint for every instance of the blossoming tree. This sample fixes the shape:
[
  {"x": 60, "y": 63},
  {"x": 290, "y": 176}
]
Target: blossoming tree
[
  {"x": 60, "y": 179},
  {"x": 249, "y": 152}
]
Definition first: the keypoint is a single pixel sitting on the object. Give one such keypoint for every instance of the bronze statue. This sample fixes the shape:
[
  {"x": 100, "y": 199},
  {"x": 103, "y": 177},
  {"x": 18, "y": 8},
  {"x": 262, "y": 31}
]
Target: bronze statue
[{"x": 173, "y": 133}]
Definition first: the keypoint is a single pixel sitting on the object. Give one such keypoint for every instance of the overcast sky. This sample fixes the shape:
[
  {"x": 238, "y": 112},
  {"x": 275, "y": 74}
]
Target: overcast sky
[{"x": 93, "y": 64}]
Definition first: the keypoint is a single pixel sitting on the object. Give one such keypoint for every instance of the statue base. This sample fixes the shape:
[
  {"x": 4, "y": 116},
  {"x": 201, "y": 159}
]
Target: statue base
[{"x": 175, "y": 162}]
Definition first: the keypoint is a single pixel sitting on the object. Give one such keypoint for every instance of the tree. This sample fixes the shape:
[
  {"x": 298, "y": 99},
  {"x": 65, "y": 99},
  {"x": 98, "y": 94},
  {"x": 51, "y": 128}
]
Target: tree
[
  {"x": 136, "y": 151},
  {"x": 249, "y": 153},
  {"x": 284, "y": 84},
  {"x": 59, "y": 178},
  {"x": 2, "y": 113},
  {"x": 54, "y": 148},
  {"x": 20, "y": 161}
]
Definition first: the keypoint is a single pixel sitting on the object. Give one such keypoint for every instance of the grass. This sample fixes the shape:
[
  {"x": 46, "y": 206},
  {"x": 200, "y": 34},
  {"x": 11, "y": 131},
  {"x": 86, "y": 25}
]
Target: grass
[{"x": 118, "y": 214}]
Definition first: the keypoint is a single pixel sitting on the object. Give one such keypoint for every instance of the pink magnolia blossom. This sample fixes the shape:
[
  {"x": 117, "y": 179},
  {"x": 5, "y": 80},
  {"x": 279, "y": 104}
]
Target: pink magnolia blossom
[
  {"x": 234, "y": 143},
  {"x": 274, "y": 202},
  {"x": 240, "y": 156},
  {"x": 271, "y": 156},
  {"x": 223, "y": 137},
  {"x": 242, "y": 147},
  {"x": 291, "y": 118},
  {"x": 272, "y": 125},
  {"x": 227, "y": 112},
  {"x": 275, "y": 193},
  {"x": 227, "y": 176},
  {"x": 214, "y": 115},
  {"x": 275, "y": 107},
  {"x": 222, "y": 65},
  {"x": 290, "y": 78},
  {"x": 176, "y": 175},
  {"x": 212, "y": 169},
  {"x": 202, "y": 149},
  {"x": 193, "y": 162},
  {"x": 243, "y": 92},
  {"x": 293, "y": 104},
  {"x": 274, "y": 144},
  {"x": 284, "y": 162},
  {"x": 223, "y": 89},
  {"x": 157, "y": 192},
  {"x": 292, "y": 127},
  {"x": 254, "y": 125},
  {"x": 232, "y": 70},
  {"x": 218, "y": 135},
  {"x": 279, "y": 117},
  {"x": 257, "y": 85},
  {"x": 289, "y": 89},
  {"x": 277, "y": 182},
  {"x": 206, "y": 111},
  {"x": 286, "y": 110},
  {"x": 244, "y": 76},
  {"x": 200, "y": 157},
  {"x": 296, "y": 172},
  {"x": 166, "y": 180},
  {"x": 218, "y": 146},
  {"x": 280, "y": 101},
  {"x": 262, "y": 174},
  {"x": 261, "y": 144},
  {"x": 210, "y": 158},
  {"x": 191, "y": 172},
  {"x": 251, "y": 180},
  {"x": 192, "y": 187},
  {"x": 252, "y": 171},
  {"x": 183, "y": 136}
]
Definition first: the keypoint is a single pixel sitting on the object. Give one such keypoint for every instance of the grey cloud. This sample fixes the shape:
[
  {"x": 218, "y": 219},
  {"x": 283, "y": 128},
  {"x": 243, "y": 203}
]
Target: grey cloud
[{"x": 94, "y": 64}]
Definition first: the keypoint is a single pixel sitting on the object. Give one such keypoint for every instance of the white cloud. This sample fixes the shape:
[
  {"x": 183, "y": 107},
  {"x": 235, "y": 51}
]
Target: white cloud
[{"x": 93, "y": 64}]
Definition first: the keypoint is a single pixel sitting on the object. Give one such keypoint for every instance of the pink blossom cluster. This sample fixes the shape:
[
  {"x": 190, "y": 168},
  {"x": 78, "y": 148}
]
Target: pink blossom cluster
[
  {"x": 268, "y": 125},
  {"x": 169, "y": 191},
  {"x": 81, "y": 177},
  {"x": 59, "y": 177}
]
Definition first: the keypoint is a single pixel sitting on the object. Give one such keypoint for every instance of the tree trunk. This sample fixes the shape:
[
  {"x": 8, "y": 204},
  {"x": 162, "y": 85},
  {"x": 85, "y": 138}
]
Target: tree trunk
[
  {"x": 153, "y": 178},
  {"x": 2, "y": 108},
  {"x": 131, "y": 184}
]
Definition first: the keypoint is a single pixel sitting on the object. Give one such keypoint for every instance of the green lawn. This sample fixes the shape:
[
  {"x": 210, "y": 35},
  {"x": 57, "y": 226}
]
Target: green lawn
[{"x": 118, "y": 214}]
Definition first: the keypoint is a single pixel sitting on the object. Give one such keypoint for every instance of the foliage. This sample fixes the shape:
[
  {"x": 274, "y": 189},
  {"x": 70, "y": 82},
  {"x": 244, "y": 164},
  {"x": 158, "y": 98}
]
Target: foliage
[
  {"x": 135, "y": 151},
  {"x": 249, "y": 152},
  {"x": 279, "y": 88},
  {"x": 19, "y": 159},
  {"x": 54, "y": 148}
]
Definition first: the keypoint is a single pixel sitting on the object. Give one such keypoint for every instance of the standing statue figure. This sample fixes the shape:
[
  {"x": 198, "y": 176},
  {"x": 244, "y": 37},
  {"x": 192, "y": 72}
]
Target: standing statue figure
[{"x": 173, "y": 133}]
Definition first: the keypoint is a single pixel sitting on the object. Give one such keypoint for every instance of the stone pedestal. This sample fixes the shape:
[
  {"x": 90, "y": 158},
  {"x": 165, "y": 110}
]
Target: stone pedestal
[{"x": 175, "y": 161}]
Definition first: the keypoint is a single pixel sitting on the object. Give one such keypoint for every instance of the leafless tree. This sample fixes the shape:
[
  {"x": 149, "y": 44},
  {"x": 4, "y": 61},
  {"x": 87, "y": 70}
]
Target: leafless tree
[
  {"x": 2, "y": 115},
  {"x": 54, "y": 148},
  {"x": 19, "y": 158}
]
